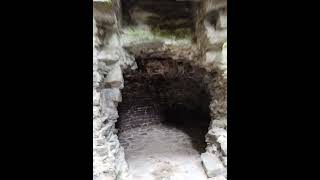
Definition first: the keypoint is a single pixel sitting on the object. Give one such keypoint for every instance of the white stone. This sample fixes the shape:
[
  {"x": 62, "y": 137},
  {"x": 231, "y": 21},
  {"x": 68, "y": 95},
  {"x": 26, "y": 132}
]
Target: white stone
[
  {"x": 96, "y": 77},
  {"x": 114, "y": 78},
  {"x": 223, "y": 144},
  {"x": 218, "y": 178},
  {"x": 96, "y": 111},
  {"x": 96, "y": 97},
  {"x": 97, "y": 124},
  {"x": 212, "y": 165}
]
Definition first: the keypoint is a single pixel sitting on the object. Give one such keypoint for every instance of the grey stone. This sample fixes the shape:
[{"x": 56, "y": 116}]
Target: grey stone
[
  {"x": 96, "y": 111},
  {"x": 223, "y": 144},
  {"x": 214, "y": 134},
  {"x": 107, "y": 129},
  {"x": 112, "y": 94},
  {"x": 97, "y": 123},
  {"x": 212, "y": 57},
  {"x": 211, "y": 148},
  {"x": 224, "y": 160},
  {"x": 211, "y": 5},
  {"x": 212, "y": 165},
  {"x": 109, "y": 113},
  {"x": 218, "y": 178},
  {"x": 96, "y": 97},
  {"x": 96, "y": 77},
  {"x": 102, "y": 11},
  {"x": 222, "y": 20},
  {"x": 219, "y": 123},
  {"x": 114, "y": 78},
  {"x": 216, "y": 38},
  {"x": 109, "y": 56},
  {"x": 103, "y": 68}
]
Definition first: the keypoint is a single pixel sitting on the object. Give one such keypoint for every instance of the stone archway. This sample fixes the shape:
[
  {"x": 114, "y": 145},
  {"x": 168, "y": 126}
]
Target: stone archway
[{"x": 116, "y": 49}]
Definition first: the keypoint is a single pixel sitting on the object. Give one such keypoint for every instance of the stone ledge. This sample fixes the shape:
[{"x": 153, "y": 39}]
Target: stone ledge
[{"x": 212, "y": 165}]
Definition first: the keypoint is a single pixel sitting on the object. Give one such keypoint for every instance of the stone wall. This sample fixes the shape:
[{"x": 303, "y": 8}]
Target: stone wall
[
  {"x": 108, "y": 61},
  {"x": 211, "y": 32},
  {"x": 114, "y": 52},
  {"x": 139, "y": 110}
]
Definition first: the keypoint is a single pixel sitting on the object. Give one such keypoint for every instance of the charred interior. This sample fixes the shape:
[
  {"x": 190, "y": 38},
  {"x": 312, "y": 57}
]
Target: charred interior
[
  {"x": 164, "y": 110},
  {"x": 164, "y": 91}
]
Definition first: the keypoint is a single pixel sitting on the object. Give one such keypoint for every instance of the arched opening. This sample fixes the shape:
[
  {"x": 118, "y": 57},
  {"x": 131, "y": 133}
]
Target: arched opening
[{"x": 163, "y": 118}]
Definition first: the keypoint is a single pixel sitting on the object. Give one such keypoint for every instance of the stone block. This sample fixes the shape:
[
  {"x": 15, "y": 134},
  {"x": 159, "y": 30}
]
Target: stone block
[
  {"x": 223, "y": 144},
  {"x": 211, "y": 5},
  {"x": 109, "y": 113},
  {"x": 96, "y": 77},
  {"x": 109, "y": 56},
  {"x": 96, "y": 111},
  {"x": 224, "y": 160},
  {"x": 212, "y": 165},
  {"x": 96, "y": 97},
  {"x": 219, "y": 123},
  {"x": 216, "y": 37},
  {"x": 114, "y": 78},
  {"x": 218, "y": 178},
  {"x": 222, "y": 20},
  {"x": 112, "y": 94},
  {"x": 212, "y": 57},
  {"x": 102, "y": 11},
  {"x": 214, "y": 134}
]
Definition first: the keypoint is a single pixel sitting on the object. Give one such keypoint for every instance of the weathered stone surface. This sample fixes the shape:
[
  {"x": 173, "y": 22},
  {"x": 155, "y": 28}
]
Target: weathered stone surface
[
  {"x": 211, "y": 5},
  {"x": 109, "y": 113},
  {"x": 218, "y": 178},
  {"x": 212, "y": 148},
  {"x": 215, "y": 133},
  {"x": 96, "y": 111},
  {"x": 224, "y": 160},
  {"x": 223, "y": 144},
  {"x": 222, "y": 20},
  {"x": 102, "y": 11},
  {"x": 96, "y": 77},
  {"x": 216, "y": 38},
  {"x": 109, "y": 56},
  {"x": 114, "y": 78},
  {"x": 96, "y": 97},
  {"x": 212, "y": 165},
  {"x": 107, "y": 129},
  {"x": 219, "y": 123},
  {"x": 112, "y": 94},
  {"x": 211, "y": 58}
]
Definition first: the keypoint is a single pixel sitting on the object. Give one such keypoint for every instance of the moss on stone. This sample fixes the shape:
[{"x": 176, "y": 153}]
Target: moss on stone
[
  {"x": 180, "y": 33},
  {"x": 138, "y": 34}
]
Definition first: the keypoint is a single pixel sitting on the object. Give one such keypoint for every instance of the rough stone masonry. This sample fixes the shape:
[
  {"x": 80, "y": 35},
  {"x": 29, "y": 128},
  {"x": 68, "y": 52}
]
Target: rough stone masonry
[{"x": 125, "y": 30}]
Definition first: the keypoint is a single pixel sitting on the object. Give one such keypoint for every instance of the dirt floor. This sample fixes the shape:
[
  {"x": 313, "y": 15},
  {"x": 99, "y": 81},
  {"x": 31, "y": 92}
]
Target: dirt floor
[{"x": 164, "y": 152}]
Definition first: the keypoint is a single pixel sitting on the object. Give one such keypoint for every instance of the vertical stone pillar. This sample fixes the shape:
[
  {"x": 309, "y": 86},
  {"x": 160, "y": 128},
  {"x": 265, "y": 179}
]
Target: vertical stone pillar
[
  {"x": 108, "y": 156},
  {"x": 211, "y": 31}
]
